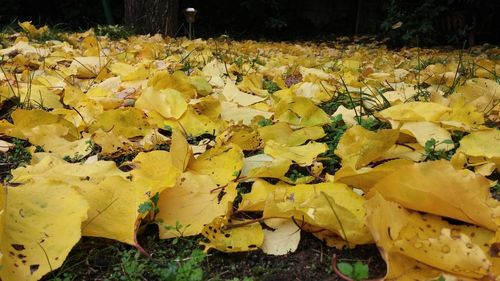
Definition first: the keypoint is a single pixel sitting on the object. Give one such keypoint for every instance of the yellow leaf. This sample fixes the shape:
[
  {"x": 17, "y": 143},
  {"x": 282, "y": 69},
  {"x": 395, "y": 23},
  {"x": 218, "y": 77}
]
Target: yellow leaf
[
  {"x": 244, "y": 136},
  {"x": 163, "y": 80},
  {"x": 479, "y": 92},
  {"x": 415, "y": 111},
  {"x": 485, "y": 169},
  {"x": 153, "y": 140},
  {"x": 424, "y": 131},
  {"x": 358, "y": 147},
  {"x": 365, "y": 178},
  {"x": 91, "y": 46},
  {"x": 232, "y": 112},
  {"x": 436, "y": 187},
  {"x": 82, "y": 114},
  {"x": 89, "y": 67},
  {"x": 38, "y": 96},
  {"x": 100, "y": 92},
  {"x": 203, "y": 88},
  {"x": 313, "y": 91},
  {"x": 484, "y": 143},
  {"x": 58, "y": 169},
  {"x": 282, "y": 240},
  {"x": 348, "y": 115},
  {"x": 255, "y": 200},
  {"x": 252, "y": 83},
  {"x": 5, "y": 146},
  {"x": 282, "y": 133},
  {"x": 180, "y": 150},
  {"x": 331, "y": 206},
  {"x": 222, "y": 163},
  {"x": 301, "y": 112},
  {"x": 265, "y": 166},
  {"x": 154, "y": 171},
  {"x": 409, "y": 151},
  {"x": 192, "y": 203},
  {"x": 114, "y": 204},
  {"x": 61, "y": 147},
  {"x": 40, "y": 223},
  {"x": 129, "y": 72},
  {"x": 26, "y": 49},
  {"x": 208, "y": 106},
  {"x": 168, "y": 102},
  {"x": 233, "y": 94},
  {"x": 303, "y": 155},
  {"x": 214, "y": 70},
  {"x": 404, "y": 236},
  {"x": 244, "y": 236},
  {"x": 113, "y": 199},
  {"x": 32, "y": 30},
  {"x": 112, "y": 144},
  {"x": 198, "y": 124},
  {"x": 32, "y": 122},
  {"x": 463, "y": 116},
  {"x": 126, "y": 122}
]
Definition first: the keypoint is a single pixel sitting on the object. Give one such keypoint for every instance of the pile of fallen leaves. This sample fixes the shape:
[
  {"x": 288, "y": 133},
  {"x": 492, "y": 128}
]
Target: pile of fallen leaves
[{"x": 249, "y": 144}]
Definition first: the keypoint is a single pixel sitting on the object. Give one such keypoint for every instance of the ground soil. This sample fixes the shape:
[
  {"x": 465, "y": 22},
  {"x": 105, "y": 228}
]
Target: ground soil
[
  {"x": 311, "y": 261},
  {"x": 94, "y": 258}
]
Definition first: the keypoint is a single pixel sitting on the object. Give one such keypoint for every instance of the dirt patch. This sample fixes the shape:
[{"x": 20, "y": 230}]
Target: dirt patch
[
  {"x": 311, "y": 261},
  {"x": 95, "y": 259}
]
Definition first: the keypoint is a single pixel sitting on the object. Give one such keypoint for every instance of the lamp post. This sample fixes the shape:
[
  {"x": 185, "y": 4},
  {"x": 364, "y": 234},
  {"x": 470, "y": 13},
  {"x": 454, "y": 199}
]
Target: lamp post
[{"x": 190, "y": 14}]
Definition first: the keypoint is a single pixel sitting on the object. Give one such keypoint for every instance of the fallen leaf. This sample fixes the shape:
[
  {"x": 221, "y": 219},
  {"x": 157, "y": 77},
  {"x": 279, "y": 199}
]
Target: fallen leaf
[
  {"x": 436, "y": 187},
  {"x": 407, "y": 239},
  {"x": 169, "y": 103},
  {"x": 40, "y": 223},
  {"x": 284, "y": 239},
  {"x": 242, "y": 236},
  {"x": 331, "y": 206},
  {"x": 358, "y": 147},
  {"x": 301, "y": 112},
  {"x": 303, "y": 155},
  {"x": 222, "y": 163},
  {"x": 192, "y": 203},
  {"x": 282, "y": 133},
  {"x": 415, "y": 111}
]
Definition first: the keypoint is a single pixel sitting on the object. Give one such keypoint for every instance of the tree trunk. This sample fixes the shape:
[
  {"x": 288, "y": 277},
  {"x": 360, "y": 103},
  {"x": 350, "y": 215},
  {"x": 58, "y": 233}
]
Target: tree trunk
[{"x": 152, "y": 16}]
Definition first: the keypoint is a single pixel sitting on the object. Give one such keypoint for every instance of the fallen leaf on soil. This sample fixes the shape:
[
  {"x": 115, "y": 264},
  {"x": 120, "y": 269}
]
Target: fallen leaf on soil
[
  {"x": 331, "y": 206},
  {"x": 40, "y": 223},
  {"x": 283, "y": 239},
  {"x": 415, "y": 111},
  {"x": 303, "y": 155},
  {"x": 436, "y": 187},
  {"x": 232, "y": 236},
  {"x": 358, "y": 146},
  {"x": 222, "y": 163},
  {"x": 193, "y": 202},
  {"x": 409, "y": 238}
]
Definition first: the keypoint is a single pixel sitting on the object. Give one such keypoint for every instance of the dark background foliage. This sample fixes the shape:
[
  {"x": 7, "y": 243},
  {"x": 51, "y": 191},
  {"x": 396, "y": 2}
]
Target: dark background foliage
[
  {"x": 69, "y": 14},
  {"x": 424, "y": 22}
]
